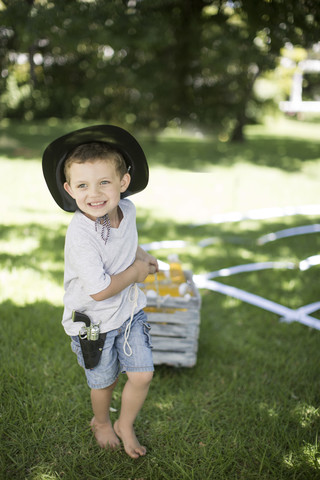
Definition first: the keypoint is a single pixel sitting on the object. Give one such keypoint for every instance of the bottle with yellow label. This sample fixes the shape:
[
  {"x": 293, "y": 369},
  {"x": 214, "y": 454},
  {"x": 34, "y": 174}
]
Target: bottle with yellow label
[{"x": 176, "y": 272}]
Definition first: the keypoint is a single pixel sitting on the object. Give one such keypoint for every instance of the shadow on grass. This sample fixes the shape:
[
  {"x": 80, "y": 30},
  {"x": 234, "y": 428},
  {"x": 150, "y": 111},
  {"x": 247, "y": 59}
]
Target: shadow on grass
[
  {"x": 19, "y": 140},
  {"x": 29, "y": 139},
  {"x": 230, "y": 244},
  {"x": 197, "y": 155},
  {"x": 248, "y": 409},
  {"x": 265, "y": 383},
  {"x": 41, "y": 388}
]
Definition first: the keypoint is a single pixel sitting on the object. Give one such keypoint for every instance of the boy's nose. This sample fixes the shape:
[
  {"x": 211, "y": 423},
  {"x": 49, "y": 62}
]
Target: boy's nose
[{"x": 94, "y": 190}]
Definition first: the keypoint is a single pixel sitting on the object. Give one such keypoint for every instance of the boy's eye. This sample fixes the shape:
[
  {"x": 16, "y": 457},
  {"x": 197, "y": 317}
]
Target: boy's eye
[
  {"x": 104, "y": 182},
  {"x": 82, "y": 185}
]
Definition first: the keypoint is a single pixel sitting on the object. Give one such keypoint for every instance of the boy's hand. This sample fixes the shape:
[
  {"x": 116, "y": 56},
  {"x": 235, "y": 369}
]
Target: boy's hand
[
  {"x": 153, "y": 268},
  {"x": 142, "y": 270},
  {"x": 153, "y": 264},
  {"x": 149, "y": 259}
]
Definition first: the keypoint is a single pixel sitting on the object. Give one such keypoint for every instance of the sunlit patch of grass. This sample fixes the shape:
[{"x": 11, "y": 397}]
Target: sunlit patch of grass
[
  {"x": 25, "y": 285},
  {"x": 306, "y": 460},
  {"x": 18, "y": 246},
  {"x": 306, "y": 414}
]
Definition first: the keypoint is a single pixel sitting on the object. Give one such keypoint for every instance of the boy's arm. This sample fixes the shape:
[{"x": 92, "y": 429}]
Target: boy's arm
[{"x": 136, "y": 273}]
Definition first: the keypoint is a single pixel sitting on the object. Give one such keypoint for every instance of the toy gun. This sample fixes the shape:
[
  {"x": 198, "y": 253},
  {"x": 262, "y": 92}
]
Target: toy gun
[{"x": 91, "y": 340}]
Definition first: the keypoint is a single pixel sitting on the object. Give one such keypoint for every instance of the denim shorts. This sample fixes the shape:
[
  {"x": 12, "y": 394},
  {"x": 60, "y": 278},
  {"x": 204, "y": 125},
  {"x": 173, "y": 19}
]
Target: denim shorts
[{"x": 113, "y": 359}]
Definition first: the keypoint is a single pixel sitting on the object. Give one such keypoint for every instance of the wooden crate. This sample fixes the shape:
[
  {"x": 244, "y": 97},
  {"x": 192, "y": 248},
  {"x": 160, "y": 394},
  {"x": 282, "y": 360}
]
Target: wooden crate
[{"x": 175, "y": 324}]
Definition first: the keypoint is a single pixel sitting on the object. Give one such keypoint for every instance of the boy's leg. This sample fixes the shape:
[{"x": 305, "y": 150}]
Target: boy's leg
[
  {"x": 133, "y": 396},
  {"x": 101, "y": 424}
]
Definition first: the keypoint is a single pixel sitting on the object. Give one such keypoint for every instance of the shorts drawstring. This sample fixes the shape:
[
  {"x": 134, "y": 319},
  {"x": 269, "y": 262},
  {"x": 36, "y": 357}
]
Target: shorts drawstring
[{"x": 133, "y": 297}]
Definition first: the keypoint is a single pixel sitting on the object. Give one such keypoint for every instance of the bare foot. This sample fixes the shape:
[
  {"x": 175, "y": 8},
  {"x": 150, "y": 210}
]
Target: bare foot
[
  {"x": 130, "y": 442},
  {"x": 104, "y": 434}
]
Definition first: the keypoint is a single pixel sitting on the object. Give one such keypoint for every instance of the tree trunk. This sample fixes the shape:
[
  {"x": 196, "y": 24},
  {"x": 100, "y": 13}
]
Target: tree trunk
[
  {"x": 241, "y": 119},
  {"x": 237, "y": 134}
]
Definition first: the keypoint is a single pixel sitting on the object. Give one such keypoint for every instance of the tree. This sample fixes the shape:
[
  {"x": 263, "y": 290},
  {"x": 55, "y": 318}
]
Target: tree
[{"x": 145, "y": 63}]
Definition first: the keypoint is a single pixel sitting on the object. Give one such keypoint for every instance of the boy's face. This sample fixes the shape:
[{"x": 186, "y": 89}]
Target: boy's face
[{"x": 96, "y": 187}]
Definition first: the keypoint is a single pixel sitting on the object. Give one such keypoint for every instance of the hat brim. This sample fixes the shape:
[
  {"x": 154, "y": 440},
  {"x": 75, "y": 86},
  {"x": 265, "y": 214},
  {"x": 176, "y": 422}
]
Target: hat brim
[{"x": 55, "y": 154}]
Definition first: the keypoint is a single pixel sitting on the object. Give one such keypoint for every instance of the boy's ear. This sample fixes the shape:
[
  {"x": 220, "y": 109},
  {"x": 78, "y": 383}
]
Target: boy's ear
[
  {"x": 125, "y": 182},
  {"x": 68, "y": 189}
]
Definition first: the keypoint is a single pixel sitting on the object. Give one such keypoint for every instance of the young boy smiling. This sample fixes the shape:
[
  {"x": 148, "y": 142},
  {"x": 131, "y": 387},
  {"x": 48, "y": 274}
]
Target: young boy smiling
[{"x": 103, "y": 264}]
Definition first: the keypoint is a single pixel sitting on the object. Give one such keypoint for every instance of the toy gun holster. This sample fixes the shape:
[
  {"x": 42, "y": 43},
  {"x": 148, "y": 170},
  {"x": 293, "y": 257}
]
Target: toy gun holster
[{"x": 91, "y": 340}]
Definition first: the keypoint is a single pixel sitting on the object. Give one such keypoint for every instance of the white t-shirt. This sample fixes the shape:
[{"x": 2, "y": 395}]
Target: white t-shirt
[{"x": 89, "y": 263}]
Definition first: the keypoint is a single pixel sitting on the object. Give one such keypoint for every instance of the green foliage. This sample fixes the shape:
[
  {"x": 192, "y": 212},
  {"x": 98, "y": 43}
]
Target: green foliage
[{"x": 145, "y": 63}]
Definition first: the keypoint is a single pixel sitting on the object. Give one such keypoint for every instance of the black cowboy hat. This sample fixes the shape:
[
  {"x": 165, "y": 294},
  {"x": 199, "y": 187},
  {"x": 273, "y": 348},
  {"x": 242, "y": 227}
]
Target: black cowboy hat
[{"x": 56, "y": 153}]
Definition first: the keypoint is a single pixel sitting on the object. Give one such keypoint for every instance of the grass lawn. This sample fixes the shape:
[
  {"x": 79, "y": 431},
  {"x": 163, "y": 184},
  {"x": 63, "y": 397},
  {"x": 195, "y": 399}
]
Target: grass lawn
[{"x": 249, "y": 409}]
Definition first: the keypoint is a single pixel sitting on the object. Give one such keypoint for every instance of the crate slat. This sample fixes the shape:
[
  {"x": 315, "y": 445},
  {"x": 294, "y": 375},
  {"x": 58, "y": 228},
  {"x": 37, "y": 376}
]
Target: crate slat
[
  {"x": 174, "y": 344},
  {"x": 175, "y": 359},
  {"x": 170, "y": 330},
  {"x": 182, "y": 318}
]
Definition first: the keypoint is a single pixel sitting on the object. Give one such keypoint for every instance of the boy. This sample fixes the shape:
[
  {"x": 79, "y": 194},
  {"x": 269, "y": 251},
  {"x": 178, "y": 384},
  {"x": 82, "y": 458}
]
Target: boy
[{"x": 91, "y": 171}]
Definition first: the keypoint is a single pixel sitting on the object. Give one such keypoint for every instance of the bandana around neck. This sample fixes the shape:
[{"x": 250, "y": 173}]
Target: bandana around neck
[{"x": 104, "y": 222}]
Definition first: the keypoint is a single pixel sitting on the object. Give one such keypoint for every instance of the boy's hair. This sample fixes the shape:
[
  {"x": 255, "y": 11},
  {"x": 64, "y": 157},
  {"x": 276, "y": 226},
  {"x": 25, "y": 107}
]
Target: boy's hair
[{"x": 90, "y": 152}]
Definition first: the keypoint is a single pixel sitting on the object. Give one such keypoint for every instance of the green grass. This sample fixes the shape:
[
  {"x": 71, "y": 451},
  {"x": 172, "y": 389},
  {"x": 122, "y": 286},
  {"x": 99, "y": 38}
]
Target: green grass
[{"x": 249, "y": 409}]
